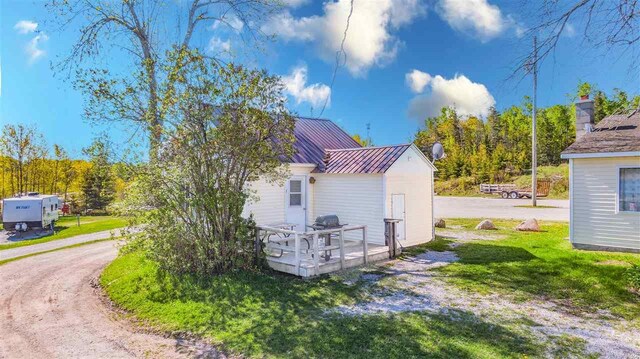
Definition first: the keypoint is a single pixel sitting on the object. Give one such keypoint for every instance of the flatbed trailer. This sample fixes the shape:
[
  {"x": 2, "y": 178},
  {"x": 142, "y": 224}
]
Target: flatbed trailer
[{"x": 510, "y": 191}]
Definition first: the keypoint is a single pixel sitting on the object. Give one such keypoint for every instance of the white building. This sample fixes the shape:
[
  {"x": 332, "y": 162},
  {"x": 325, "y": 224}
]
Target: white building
[
  {"x": 604, "y": 181},
  {"x": 332, "y": 174}
]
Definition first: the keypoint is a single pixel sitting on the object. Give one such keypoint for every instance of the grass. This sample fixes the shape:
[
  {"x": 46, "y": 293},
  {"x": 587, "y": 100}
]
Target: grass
[
  {"x": 5, "y": 261},
  {"x": 67, "y": 227},
  {"x": 270, "y": 315},
  {"x": 277, "y": 316},
  {"x": 543, "y": 265}
]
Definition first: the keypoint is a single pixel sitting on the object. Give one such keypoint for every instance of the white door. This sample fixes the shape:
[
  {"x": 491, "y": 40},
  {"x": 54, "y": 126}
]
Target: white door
[
  {"x": 296, "y": 202},
  {"x": 397, "y": 212}
]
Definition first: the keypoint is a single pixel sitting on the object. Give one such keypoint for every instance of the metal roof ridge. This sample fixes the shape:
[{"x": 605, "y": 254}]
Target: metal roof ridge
[{"x": 367, "y": 148}]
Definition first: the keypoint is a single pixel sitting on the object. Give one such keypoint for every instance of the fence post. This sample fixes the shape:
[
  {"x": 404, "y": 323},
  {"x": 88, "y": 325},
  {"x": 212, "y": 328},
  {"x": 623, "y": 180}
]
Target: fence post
[
  {"x": 316, "y": 253},
  {"x": 296, "y": 244},
  {"x": 342, "y": 249},
  {"x": 256, "y": 245},
  {"x": 365, "y": 249}
]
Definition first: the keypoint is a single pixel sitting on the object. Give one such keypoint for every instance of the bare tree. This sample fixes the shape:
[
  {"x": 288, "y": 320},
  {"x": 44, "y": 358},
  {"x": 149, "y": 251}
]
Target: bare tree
[
  {"x": 138, "y": 27},
  {"x": 604, "y": 24}
]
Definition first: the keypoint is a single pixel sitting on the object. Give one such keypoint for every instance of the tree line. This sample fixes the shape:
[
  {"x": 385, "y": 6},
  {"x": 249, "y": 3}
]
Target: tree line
[
  {"x": 499, "y": 148},
  {"x": 28, "y": 164}
]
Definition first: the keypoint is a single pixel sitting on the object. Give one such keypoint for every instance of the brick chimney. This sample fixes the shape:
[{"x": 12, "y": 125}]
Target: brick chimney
[{"x": 584, "y": 115}]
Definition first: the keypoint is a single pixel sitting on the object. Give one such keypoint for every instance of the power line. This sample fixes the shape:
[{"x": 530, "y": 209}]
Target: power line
[{"x": 338, "y": 58}]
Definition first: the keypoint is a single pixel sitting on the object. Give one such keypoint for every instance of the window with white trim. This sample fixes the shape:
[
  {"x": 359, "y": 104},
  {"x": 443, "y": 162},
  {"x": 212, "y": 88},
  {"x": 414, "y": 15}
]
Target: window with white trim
[
  {"x": 629, "y": 196},
  {"x": 295, "y": 193}
]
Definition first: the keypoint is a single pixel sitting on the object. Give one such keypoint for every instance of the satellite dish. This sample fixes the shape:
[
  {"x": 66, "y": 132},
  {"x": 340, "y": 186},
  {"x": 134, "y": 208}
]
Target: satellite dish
[{"x": 437, "y": 151}]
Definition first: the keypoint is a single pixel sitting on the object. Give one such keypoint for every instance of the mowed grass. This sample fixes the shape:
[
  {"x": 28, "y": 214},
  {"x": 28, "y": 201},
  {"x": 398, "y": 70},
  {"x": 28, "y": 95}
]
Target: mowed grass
[
  {"x": 67, "y": 227},
  {"x": 273, "y": 315},
  {"x": 277, "y": 316},
  {"x": 542, "y": 265}
]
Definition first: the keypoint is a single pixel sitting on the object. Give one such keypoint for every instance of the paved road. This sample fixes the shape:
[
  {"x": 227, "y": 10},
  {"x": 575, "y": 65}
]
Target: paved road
[
  {"x": 59, "y": 243},
  {"x": 477, "y": 207},
  {"x": 50, "y": 307}
]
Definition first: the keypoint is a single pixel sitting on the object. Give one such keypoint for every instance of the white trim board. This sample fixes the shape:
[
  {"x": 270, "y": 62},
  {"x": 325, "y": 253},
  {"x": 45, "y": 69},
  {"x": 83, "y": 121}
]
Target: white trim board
[{"x": 599, "y": 155}]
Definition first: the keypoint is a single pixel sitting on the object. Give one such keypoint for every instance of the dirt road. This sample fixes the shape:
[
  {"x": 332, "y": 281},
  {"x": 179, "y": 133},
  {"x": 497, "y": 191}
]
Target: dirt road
[
  {"x": 478, "y": 207},
  {"x": 50, "y": 307},
  {"x": 59, "y": 243}
]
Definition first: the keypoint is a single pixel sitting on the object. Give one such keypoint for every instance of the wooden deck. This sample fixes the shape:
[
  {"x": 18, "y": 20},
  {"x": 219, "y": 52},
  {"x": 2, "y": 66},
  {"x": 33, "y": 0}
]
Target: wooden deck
[
  {"x": 353, "y": 257},
  {"x": 308, "y": 254}
]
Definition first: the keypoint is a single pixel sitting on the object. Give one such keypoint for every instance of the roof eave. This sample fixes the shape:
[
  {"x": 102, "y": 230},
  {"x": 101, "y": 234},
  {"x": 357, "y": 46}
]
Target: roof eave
[{"x": 599, "y": 154}]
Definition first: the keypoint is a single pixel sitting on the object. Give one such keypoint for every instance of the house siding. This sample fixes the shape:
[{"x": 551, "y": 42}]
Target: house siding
[
  {"x": 267, "y": 202},
  {"x": 411, "y": 176},
  {"x": 595, "y": 219},
  {"x": 354, "y": 198}
]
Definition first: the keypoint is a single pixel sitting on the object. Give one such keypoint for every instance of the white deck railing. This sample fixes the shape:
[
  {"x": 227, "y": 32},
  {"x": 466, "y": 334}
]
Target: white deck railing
[{"x": 277, "y": 238}]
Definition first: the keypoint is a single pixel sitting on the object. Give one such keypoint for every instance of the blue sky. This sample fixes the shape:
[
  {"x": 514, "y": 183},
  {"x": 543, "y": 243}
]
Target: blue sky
[{"x": 462, "y": 51}]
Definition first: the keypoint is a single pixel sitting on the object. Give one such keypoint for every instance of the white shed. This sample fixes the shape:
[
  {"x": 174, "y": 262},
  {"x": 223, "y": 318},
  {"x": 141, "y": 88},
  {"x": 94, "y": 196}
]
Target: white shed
[
  {"x": 333, "y": 174},
  {"x": 604, "y": 181}
]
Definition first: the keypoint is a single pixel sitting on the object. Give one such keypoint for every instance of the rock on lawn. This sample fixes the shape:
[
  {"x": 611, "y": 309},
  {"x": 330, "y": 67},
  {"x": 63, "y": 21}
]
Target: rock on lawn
[
  {"x": 486, "y": 225},
  {"x": 440, "y": 223},
  {"x": 530, "y": 225}
]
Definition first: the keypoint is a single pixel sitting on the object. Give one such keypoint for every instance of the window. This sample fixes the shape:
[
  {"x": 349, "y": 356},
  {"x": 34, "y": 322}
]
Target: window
[
  {"x": 295, "y": 193},
  {"x": 629, "y": 196}
]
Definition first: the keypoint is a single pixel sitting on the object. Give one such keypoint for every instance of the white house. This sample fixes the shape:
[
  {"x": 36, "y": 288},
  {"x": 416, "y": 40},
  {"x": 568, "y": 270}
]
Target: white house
[
  {"x": 604, "y": 181},
  {"x": 332, "y": 174}
]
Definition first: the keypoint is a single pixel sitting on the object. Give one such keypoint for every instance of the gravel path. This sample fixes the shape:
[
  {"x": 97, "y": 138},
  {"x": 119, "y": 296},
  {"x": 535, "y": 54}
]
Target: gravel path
[
  {"x": 416, "y": 287},
  {"x": 50, "y": 307},
  {"x": 58, "y": 243},
  {"x": 478, "y": 207}
]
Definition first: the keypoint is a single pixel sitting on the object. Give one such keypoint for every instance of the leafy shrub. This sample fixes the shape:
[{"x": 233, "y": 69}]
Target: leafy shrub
[{"x": 633, "y": 277}]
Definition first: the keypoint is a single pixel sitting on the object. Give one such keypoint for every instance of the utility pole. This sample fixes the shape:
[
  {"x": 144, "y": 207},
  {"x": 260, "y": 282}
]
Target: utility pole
[{"x": 534, "y": 149}]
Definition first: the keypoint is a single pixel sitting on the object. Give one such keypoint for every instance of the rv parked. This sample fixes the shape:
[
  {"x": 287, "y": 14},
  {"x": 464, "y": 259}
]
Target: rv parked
[{"x": 31, "y": 211}]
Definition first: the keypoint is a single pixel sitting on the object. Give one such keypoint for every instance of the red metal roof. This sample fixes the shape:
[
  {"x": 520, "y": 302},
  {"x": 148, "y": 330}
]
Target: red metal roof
[
  {"x": 314, "y": 136},
  {"x": 361, "y": 160}
]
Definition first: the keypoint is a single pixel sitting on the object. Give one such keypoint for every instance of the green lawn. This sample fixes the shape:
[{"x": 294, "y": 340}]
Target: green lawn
[
  {"x": 273, "y": 315},
  {"x": 67, "y": 227},
  {"x": 542, "y": 265}
]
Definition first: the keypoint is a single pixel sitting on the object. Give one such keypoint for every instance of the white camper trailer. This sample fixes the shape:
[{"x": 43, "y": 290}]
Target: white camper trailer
[{"x": 32, "y": 211}]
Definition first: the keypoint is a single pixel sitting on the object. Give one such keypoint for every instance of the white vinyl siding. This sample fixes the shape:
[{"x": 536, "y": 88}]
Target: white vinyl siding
[
  {"x": 267, "y": 202},
  {"x": 411, "y": 176},
  {"x": 354, "y": 198},
  {"x": 596, "y": 220}
]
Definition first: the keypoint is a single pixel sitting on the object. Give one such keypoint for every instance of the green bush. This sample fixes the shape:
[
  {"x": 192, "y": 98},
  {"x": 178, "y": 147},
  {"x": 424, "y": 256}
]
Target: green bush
[{"x": 633, "y": 277}]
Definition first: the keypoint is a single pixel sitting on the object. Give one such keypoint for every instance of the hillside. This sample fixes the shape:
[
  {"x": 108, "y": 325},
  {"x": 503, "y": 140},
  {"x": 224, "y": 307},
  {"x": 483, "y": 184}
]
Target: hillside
[{"x": 469, "y": 185}]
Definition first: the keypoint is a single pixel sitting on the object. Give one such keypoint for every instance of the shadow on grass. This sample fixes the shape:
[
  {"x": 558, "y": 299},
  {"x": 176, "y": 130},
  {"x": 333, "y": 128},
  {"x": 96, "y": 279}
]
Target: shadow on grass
[
  {"x": 258, "y": 314},
  {"x": 564, "y": 276}
]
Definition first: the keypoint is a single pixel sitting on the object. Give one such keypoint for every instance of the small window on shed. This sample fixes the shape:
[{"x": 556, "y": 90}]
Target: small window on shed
[
  {"x": 629, "y": 196},
  {"x": 51, "y": 208}
]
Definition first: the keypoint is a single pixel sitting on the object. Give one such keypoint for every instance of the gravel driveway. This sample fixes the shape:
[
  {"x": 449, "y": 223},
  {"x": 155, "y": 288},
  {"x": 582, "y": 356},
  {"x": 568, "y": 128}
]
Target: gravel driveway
[
  {"x": 478, "y": 207},
  {"x": 59, "y": 243},
  {"x": 50, "y": 307}
]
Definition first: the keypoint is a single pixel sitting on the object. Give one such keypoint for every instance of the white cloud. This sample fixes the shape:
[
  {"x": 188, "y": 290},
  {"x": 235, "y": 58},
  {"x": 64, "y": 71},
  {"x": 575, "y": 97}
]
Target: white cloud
[
  {"x": 295, "y": 3},
  {"x": 569, "y": 30},
  {"x": 417, "y": 80},
  {"x": 369, "y": 39},
  {"x": 218, "y": 46},
  {"x": 33, "y": 50},
  {"x": 231, "y": 21},
  {"x": 25, "y": 26},
  {"x": 296, "y": 86},
  {"x": 477, "y": 18},
  {"x": 468, "y": 98}
]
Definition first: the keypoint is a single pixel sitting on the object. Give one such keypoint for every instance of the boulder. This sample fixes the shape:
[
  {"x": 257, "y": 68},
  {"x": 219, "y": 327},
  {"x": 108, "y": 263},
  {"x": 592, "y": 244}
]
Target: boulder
[
  {"x": 486, "y": 225},
  {"x": 530, "y": 225},
  {"x": 440, "y": 223}
]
